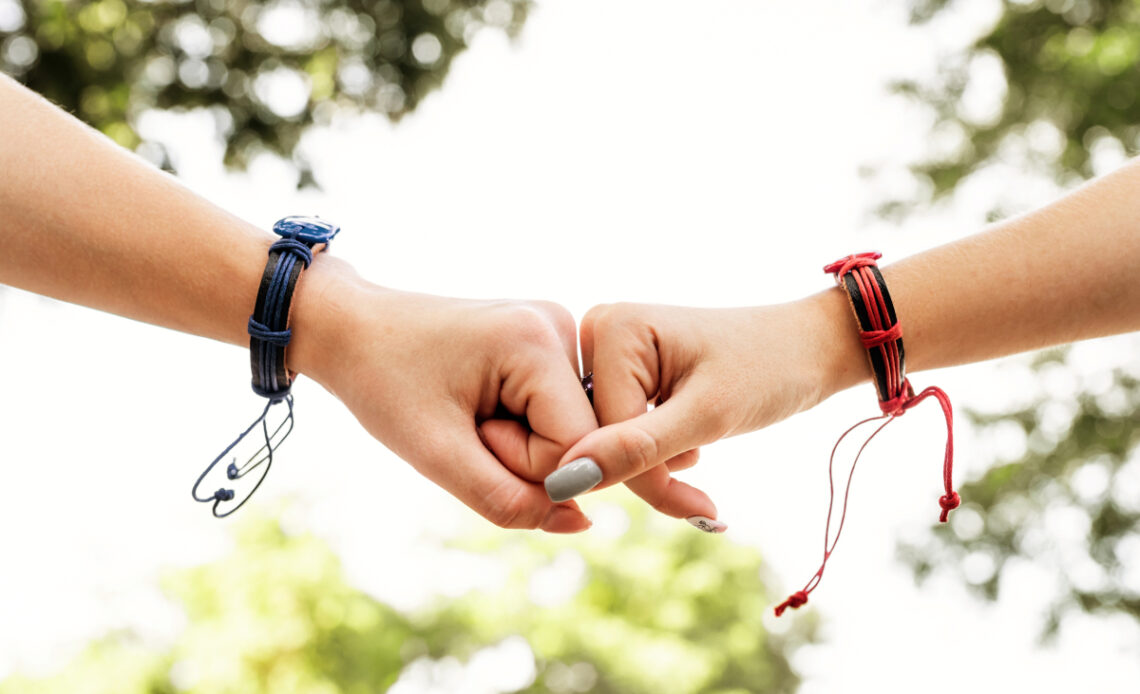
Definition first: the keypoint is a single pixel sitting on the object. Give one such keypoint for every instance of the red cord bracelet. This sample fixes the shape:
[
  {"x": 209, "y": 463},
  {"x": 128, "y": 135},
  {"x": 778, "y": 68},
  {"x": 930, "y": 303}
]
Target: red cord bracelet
[{"x": 881, "y": 334}]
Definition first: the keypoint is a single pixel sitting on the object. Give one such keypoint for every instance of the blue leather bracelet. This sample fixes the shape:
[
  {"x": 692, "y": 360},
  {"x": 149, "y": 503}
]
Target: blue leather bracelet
[
  {"x": 269, "y": 332},
  {"x": 269, "y": 336}
]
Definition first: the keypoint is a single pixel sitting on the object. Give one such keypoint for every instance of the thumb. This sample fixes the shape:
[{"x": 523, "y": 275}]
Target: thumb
[{"x": 620, "y": 451}]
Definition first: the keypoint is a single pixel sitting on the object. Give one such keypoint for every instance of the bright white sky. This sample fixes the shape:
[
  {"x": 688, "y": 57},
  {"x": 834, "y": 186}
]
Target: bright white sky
[{"x": 673, "y": 152}]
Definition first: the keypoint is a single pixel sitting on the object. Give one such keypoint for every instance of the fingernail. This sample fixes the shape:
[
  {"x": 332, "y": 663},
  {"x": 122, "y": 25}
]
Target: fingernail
[
  {"x": 572, "y": 479},
  {"x": 707, "y": 524}
]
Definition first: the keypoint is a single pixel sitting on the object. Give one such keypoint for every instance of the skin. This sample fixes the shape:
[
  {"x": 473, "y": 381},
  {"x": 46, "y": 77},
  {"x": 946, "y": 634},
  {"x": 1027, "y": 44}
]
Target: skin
[
  {"x": 482, "y": 397},
  {"x": 1063, "y": 273},
  {"x": 497, "y": 406}
]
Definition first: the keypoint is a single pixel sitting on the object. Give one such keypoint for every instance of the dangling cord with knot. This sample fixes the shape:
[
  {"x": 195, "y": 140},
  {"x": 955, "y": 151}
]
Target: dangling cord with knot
[
  {"x": 800, "y": 597},
  {"x": 881, "y": 335},
  {"x": 950, "y": 500},
  {"x": 262, "y": 455}
]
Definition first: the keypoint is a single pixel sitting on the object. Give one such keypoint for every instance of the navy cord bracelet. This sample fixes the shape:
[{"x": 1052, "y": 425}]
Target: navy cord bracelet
[{"x": 269, "y": 335}]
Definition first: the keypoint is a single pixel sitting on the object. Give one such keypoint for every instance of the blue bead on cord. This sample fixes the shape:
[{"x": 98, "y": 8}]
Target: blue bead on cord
[{"x": 269, "y": 335}]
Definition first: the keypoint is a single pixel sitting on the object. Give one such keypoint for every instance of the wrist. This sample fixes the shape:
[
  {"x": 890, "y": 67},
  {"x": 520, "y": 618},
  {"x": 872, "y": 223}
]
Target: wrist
[
  {"x": 324, "y": 306},
  {"x": 834, "y": 336}
]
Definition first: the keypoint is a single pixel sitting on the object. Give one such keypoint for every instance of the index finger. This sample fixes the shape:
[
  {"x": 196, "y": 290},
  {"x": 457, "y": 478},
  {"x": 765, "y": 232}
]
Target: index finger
[
  {"x": 459, "y": 462},
  {"x": 543, "y": 386}
]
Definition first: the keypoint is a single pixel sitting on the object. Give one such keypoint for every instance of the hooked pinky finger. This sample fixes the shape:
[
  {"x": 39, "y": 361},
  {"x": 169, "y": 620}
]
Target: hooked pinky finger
[
  {"x": 683, "y": 461},
  {"x": 671, "y": 496}
]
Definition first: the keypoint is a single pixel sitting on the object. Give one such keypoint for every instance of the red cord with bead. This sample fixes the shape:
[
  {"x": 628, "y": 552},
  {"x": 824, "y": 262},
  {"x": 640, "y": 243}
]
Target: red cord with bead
[{"x": 881, "y": 335}]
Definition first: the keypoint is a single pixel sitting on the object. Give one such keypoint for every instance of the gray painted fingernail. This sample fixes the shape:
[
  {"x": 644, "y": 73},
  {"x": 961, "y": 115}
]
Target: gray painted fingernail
[
  {"x": 572, "y": 479},
  {"x": 707, "y": 524}
]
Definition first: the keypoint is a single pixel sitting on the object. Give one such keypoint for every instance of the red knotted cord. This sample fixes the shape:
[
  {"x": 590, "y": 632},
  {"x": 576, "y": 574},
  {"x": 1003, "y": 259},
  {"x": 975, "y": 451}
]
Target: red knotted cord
[{"x": 898, "y": 399}]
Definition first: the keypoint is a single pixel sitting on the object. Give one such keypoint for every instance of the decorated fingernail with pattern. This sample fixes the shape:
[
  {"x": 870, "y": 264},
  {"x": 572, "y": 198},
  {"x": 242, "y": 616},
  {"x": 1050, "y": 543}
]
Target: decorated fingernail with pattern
[{"x": 707, "y": 524}]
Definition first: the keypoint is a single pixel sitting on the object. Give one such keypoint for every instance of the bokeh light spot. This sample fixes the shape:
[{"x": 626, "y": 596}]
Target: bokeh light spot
[
  {"x": 285, "y": 91},
  {"x": 427, "y": 49},
  {"x": 20, "y": 51},
  {"x": 11, "y": 16}
]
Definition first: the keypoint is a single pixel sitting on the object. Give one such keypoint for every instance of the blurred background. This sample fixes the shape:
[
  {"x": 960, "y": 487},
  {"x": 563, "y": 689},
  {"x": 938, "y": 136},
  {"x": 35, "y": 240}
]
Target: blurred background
[{"x": 585, "y": 152}]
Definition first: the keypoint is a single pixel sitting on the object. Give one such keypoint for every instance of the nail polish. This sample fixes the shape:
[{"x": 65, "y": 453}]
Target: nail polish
[
  {"x": 707, "y": 524},
  {"x": 572, "y": 479}
]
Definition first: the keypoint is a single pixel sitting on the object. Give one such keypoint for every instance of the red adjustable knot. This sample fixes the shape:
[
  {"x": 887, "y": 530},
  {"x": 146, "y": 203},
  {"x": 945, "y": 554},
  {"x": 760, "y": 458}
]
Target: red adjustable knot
[
  {"x": 948, "y": 502},
  {"x": 848, "y": 263},
  {"x": 894, "y": 407},
  {"x": 901, "y": 402},
  {"x": 794, "y": 600}
]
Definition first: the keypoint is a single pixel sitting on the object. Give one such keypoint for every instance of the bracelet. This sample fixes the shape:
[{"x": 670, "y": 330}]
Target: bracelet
[
  {"x": 269, "y": 336},
  {"x": 879, "y": 329},
  {"x": 881, "y": 334}
]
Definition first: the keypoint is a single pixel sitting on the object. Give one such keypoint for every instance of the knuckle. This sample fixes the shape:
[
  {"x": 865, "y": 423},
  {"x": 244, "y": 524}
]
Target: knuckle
[
  {"x": 528, "y": 325},
  {"x": 558, "y": 315},
  {"x": 594, "y": 314},
  {"x": 606, "y": 319},
  {"x": 636, "y": 447},
  {"x": 586, "y": 326}
]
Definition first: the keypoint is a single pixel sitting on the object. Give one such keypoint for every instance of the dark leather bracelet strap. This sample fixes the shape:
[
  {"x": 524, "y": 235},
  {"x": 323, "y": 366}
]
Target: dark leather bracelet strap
[
  {"x": 269, "y": 325},
  {"x": 269, "y": 332},
  {"x": 889, "y": 379}
]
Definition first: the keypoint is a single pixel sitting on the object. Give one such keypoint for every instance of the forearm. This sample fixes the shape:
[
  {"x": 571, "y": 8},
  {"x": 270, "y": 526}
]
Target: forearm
[
  {"x": 1066, "y": 272},
  {"x": 86, "y": 222}
]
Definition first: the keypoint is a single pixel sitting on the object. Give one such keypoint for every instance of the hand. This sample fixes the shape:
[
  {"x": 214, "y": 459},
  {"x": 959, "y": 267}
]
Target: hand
[
  {"x": 481, "y": 397},
  {"x": 712, "y": 373}
]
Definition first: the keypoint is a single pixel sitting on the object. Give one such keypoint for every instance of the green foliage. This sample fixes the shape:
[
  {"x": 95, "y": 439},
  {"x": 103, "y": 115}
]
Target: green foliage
[
  {"x": 1070, "y": 68},
  {"x": 267, "y": 68},
  {"x": 657, "y": 609},
  {"x": 1083, "y": 470},
  {"x": 1070, "y": 65}
]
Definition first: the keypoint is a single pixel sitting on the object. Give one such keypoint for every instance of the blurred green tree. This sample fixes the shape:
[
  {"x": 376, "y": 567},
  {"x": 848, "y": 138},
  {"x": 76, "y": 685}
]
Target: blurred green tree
[
  {"x": 267, "y": 69},
  {"x": 1081, "y": 470},
  {"x": 1071, "y": 83},
  {"x": 659, "y": 609},
  {"x": 1071, "y": 77}
]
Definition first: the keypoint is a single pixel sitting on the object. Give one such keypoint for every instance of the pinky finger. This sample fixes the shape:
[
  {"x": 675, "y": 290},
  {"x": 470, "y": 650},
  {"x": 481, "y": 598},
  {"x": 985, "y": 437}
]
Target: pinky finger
[
  {"x": 671, "y": 496},
  {"x": 684, "y": 461}
]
